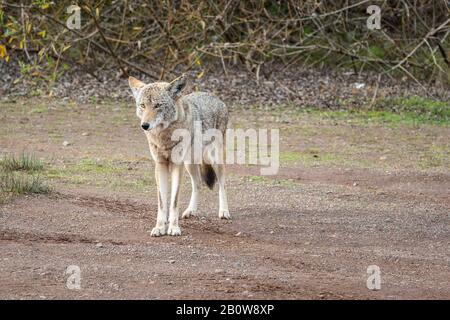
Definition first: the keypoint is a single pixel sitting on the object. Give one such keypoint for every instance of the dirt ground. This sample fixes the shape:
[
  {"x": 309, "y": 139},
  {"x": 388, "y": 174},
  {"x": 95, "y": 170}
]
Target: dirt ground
[{"x": 350, "y": 194}]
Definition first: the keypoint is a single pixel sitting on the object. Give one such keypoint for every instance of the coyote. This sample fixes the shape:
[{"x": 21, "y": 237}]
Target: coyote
[{"x": 163, "y": 108}]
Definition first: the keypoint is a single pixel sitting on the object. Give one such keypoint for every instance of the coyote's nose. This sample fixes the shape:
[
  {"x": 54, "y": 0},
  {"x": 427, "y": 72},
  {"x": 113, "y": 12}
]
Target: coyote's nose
[{"x": 145, "y": 125}]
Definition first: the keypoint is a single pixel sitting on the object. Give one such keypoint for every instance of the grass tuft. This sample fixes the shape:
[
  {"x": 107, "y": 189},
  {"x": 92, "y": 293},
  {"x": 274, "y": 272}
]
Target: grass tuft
[
  {"x": 22, "y": 183},
  {"x": 18, "y": 175},
  {"x": 25, "y": 162}
]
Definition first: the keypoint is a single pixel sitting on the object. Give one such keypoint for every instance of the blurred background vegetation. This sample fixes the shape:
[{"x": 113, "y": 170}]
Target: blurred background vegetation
[{"x": 156, "y": 38}]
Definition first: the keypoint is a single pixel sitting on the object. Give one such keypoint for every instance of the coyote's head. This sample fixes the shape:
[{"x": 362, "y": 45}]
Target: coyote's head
[{"x": 155, "y": 102}]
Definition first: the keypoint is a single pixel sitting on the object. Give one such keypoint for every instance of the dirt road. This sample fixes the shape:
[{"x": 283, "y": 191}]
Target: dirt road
[{"x": 348, "y": 195}]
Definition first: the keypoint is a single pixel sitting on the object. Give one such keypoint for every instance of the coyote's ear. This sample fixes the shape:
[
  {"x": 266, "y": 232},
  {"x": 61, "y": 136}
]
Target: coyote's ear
[
  {"x": 135, "y": 85},
  {"x": 177, "y": 85}
]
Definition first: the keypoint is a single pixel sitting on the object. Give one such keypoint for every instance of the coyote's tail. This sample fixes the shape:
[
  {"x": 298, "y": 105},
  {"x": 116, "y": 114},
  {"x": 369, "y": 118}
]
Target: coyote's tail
[{"x": 208, "y": 175}]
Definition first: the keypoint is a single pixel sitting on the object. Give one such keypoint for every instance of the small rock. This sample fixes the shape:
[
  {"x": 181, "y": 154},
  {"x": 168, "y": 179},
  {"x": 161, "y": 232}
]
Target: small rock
[
  {"x": 238, "y": 234},
  {"x": 269, "y": 84},
  {"x": 66, "y": 143},
  {"x": 115, "y": 286},
  {"x": 171, "y": 261},
  {"x": 355, "y": 184},
  {"x": 99, "y": 245},
  {"x": 85, "y": 134}
]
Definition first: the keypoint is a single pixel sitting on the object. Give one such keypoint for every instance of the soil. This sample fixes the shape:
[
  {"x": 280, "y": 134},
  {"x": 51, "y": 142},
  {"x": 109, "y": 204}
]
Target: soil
[{"x": 310, "y": 232}]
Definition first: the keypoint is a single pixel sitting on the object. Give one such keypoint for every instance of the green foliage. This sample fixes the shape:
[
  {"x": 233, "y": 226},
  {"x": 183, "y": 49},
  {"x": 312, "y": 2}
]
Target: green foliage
[
  {"x": 376, "y": 51},
  {"x": 158, "y": 35}
]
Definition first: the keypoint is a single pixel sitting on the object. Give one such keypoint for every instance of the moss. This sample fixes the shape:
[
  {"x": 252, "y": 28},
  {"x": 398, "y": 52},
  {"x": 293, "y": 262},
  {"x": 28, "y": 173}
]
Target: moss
[
  {"x": 39, "y": 109},
  {"x": 414, "y": 109},
  {"x": 257, "y": 178}
]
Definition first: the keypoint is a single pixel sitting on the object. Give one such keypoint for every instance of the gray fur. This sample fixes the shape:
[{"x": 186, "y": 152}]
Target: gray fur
[
  {"x": 176, "y": 111},
  {"x": 163, "y": 108}
]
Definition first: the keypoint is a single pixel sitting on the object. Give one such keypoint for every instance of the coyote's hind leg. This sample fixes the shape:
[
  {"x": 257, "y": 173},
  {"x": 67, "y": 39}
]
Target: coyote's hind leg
[
  {"x": 219, "y": 169},
  {"x": 191, "y": 210}
]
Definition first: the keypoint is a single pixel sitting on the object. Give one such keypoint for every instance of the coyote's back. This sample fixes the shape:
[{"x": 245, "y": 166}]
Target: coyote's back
[{"x": 205, "y": 107}]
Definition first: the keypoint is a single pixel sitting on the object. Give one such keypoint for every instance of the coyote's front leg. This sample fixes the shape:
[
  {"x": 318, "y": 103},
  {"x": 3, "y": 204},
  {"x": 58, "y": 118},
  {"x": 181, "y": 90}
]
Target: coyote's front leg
[
  {"x": 177, "y": 174},
  {"x": 162, "y": 182}
]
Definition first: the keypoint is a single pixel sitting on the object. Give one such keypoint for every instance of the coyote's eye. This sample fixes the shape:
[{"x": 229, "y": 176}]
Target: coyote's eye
[{"x": 142, "y": 106}]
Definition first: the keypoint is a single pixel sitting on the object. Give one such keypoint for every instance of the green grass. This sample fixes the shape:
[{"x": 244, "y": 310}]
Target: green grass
[
  {"x": 275, "y": 182},
  {"x": 20, "y": 175},
  {"x": 95, "y": 166},
  {"x": 313, "y": 157},
  {"x": 257, "y": 178},
  {"x": 414, "y": 109},
  {"x": 411, "y": 110},
  {"x": 38, "y": 110},
  {"x": 434, "y": 158},
  {"x": 363, "y": 117},
  {"x": 22, "y": 183},
  {"x": 103, "y": 173},
  {"x": 24, "y": 162},
  {"x": 86, "y": 171},
  {"x": 288, "y": 157}
]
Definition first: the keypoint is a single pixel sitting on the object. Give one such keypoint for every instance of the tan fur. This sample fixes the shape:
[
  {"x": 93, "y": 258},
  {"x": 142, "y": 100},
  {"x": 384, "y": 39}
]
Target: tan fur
[{"x": 163, "y": 108}]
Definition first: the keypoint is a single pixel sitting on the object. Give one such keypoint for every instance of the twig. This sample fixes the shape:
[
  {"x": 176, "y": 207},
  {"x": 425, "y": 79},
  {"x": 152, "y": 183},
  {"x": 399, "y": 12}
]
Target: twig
[
  {"x": 24, "y": 29},
  {"x": 429, "y": 34},
  {"x": 374, "y": 97},
  {"x": 102, "y": 48},
  {"x": 110, "y": 49}
]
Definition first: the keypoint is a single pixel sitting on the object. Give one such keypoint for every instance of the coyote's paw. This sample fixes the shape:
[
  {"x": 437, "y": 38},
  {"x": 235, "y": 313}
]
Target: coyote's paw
[
  {"x": 188, "y": 213},
  {"x": 174, "y": 231},
  {"x": 224, "y": 214},
  {"x": 158, "y": 231}
]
